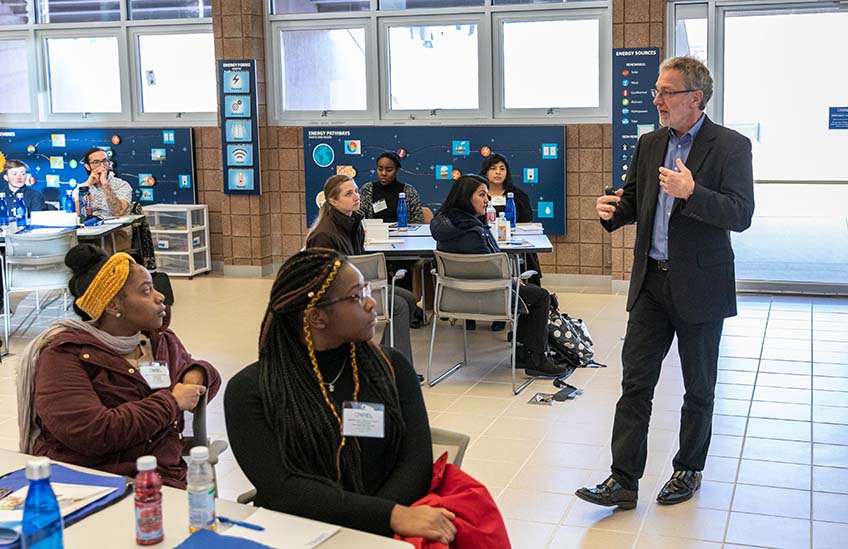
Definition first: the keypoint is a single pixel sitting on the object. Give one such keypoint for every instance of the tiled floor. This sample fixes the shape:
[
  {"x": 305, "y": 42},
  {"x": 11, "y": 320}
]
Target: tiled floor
[{"x": 777, "y": 475}]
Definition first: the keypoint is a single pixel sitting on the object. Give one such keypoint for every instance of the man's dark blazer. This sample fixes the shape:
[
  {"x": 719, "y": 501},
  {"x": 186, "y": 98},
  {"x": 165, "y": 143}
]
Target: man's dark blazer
[{"x": 701, "y": 272}]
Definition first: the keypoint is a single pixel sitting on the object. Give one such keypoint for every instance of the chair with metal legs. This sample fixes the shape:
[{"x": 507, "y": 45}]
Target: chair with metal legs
[{"x": 374, "y": 271}]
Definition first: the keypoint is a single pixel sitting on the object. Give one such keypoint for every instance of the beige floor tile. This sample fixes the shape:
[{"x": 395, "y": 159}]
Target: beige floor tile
[
  {"x": 831, "y": 357},
  {"x": 587, "y": 515},
  {"x": 729, "y": 425},
  {"x": 437, "y": 402},
  {"x": 830, "y": 479},
  {"x": 491, "y": 473},
  {"x": 830, "y": 414},
  {"x": 830, "y": 398},
  {"x": 777, "y": 394},
  {"x": 791, "y": 381},
  {"x": 833, "y": 346},
  {"x": 726, "y": 446},
  {"x": 721, "y": 469},
  {"x": 830, "y": 507},
  {"x": 686, "y": 521},
  {"x": 778, "y": 410},
  {"x": 738, "y": 364},
  {"x": 830, "y": 370},
  {"x": 533, "y": 506},
  {"x": 573, "y": 537},
  {"x": 780, "y": 429},
  {"x": 468, "y": 404},
  {"x": 767, "y": 500},
  {"x": 529, "y": 535},
  {"x": 785, "y": 451},
  {"x": 785, "y": 367},
  {"x": 463, "y": 423},
  {"x": 561, "y": 454},
  {"x": 778, "y": 532},
  {"x": 733, "y": 391},
  {"x": 779, "y": 475},
  {"x": 651, "y": 541},
  {"x": 596, "y": 434},
  {"x": 734, "y": 376},
  {"x": 730, "y": 407},
  {"x": 501, "y": 449},
  {"x": 829, "y": 535},
  {"x": 713, "y": 495},
  {"x": 520, "y": 428},
  {"x": 559, "y": 480}
]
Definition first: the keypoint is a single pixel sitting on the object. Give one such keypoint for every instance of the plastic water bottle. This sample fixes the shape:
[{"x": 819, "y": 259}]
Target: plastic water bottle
[
  {"x": 201, "y": 491},
  {"x": 148, "y": 502},
  {"x": 42, "y": 524},
  {"x": 492, "y": 220},
  {"x": 402, "y": 213},
  {"x": 511, "y": 214},
  {"x": 70, "y": 207},
  {"x": 4, "y": 211},
  {"x": 21, "y": 213},
  {"x": 84, "y": 198},
  {"x": 503, "y": 228}
]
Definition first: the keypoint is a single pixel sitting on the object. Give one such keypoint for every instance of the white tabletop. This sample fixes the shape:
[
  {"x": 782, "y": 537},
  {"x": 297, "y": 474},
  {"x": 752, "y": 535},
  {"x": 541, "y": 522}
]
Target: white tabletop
[
  {"x": 423, "y": 246},
  {"x": 114, "y": 526}
]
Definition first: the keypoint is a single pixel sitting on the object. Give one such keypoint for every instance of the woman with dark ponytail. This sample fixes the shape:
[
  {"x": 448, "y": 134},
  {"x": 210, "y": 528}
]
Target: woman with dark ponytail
[
  {"x": 102, "y": 391},
  {"x": 285, "y": 413}
]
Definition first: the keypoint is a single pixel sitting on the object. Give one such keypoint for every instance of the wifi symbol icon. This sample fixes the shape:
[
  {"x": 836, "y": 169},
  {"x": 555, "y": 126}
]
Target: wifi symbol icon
[{"x": 239, "y": 155}]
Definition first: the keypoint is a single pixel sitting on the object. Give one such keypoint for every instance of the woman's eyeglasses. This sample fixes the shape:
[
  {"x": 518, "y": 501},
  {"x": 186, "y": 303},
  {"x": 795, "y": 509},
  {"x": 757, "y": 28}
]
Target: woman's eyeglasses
[
  {"x": 96, "y": 163},
  {"x": 363, "y": 292}
]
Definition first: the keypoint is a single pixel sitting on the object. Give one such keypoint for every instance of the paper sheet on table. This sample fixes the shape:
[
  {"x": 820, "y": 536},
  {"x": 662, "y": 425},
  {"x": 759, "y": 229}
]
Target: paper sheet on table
[
  {"x": 119, "y": 220},
  {"x": 529, "y": 228},
  {"x": 284, "y": 531},
  {"x": 70, "y": 497}
]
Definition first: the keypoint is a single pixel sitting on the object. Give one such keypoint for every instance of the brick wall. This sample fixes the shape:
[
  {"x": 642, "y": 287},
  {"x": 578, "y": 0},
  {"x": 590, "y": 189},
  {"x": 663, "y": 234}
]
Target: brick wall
[{"x": 262, "y": 231}]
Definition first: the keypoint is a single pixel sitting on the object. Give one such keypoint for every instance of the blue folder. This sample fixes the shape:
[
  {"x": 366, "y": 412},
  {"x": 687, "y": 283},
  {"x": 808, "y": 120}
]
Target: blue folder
[{"x": 204, "y": 539}]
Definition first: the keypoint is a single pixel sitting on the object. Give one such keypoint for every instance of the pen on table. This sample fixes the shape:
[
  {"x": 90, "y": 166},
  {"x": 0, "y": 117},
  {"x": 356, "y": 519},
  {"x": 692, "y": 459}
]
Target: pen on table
[{"x": 225, "y": 520}]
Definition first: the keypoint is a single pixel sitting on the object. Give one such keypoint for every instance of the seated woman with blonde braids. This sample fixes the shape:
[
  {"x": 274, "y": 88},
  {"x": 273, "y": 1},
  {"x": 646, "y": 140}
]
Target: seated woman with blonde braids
[
  {"x": 102, "y": 391},
  {"x": 285, "y": 412}
]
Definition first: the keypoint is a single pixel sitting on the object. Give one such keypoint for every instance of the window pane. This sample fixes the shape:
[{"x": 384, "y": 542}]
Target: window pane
[
  {"x": 551, "y": 64},
  {"x": 419, "y": 4},
  {"x": 514, "y": 2},
  {"x": 433, "y": 67},
  {"x": 78, "y": 11},
  {"x": 184, "y": 83},
  {"x": 13, "y": 12},
  {"x": 781, "y": 76},
  {"x": 690, "y": 31},
  {"x": 169, "y": 9},
  {"x": 324, "y": 70},
  {"x": 14, "y": 86},
  {"x": 85, "y": 75},
  {"x": 319, "y": 6}
]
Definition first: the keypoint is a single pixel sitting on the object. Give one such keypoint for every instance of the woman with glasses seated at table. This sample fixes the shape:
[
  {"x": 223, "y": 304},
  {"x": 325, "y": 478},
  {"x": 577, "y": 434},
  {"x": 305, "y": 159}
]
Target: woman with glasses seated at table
[
  {"x": 460, "y": 227},
  {"x": 102, "y": 391},
  {"x": 285, "y": 412},
  {"x": 339, "y": 227},
  {"x": 495, "y": 169}
]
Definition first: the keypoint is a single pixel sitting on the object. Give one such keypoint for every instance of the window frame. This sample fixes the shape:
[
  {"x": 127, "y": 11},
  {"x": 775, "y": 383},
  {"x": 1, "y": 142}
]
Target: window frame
[
  {"x": 187, "y": 118},
  {"x": 484, "y": 71},
  {"x": 274, "y": 89},
  {"x": 587, "y": 115},
  {"x": 29, "y": 39}
]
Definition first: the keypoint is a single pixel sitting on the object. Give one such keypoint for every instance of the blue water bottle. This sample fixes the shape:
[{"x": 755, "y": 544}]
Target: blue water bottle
[
  {"x": 21, "y": 213},
  {"x": 4, "y": 210},
  {"x": 402, "y": 213},
  {"x": 70, "y": 207},
  {"x": 509, "y": 211},
  {"x": 42, "y": 524}
]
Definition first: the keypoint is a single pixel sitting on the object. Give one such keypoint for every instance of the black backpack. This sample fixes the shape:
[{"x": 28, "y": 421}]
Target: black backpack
[{"x": 569, "y": 339}]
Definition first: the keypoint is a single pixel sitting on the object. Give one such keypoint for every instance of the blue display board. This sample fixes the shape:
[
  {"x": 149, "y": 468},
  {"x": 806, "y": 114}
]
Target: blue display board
[
  {"x": 433, "y": 156},
  {"x": 158, "y": 163},
  {"x": 240, "y": 131},
  {"x": 634, "y": 73}
]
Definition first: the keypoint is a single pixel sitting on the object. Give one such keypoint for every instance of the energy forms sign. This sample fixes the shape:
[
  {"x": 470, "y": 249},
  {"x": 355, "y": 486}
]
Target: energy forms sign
[
  {"x": 634, "y": 73},
  {"x": 239, "y": 126}
]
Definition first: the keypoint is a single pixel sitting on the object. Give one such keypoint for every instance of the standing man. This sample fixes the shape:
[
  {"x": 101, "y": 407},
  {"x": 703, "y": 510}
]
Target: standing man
[
  {"x": 15, "y": 174},
  {"x": 110, "y": 196},
  {"x": 690, "y": 183}
]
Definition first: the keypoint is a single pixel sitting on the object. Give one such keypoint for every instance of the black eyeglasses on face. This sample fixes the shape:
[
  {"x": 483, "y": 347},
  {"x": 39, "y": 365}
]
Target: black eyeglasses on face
[
  {"x": 666, "y": 94},
  {"x": 95, "y": 163},
  {"x": 360, "y": 295}
]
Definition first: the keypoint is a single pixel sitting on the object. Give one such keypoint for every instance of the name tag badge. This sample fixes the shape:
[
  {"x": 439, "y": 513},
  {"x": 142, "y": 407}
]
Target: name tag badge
[
  {"x": 363, "y": 419},
  {"x": 156, "y": 374},
  {"x": 498, "y": 200},
  {"x": 379, "y": 206}
]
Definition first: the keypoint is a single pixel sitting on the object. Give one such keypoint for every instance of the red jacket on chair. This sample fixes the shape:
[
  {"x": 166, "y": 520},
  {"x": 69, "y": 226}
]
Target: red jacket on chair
[{"x": 478, "y": 522}]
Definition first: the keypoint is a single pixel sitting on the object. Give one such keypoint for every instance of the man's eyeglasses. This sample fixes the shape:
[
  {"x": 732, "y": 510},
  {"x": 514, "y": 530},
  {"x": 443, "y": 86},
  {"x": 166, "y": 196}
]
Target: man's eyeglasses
[
  {"x": 363, "y": 292},
  {"x": 666, "y": 94},
  {"x": 95, "y": 163}
]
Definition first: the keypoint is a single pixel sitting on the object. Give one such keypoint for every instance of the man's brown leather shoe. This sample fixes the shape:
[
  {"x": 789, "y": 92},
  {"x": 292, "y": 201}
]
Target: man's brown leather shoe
[
  {"x": 680, "y": 487},
  {"x": 609, "y": 494}
]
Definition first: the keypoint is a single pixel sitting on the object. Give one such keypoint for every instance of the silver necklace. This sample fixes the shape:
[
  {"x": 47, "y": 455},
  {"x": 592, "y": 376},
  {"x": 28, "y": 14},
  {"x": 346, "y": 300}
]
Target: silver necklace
[{"x": 332, "y": 385}]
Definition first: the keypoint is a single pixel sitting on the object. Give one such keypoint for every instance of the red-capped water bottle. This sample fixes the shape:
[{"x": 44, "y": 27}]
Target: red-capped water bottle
[{"x": 148, "y": 502}]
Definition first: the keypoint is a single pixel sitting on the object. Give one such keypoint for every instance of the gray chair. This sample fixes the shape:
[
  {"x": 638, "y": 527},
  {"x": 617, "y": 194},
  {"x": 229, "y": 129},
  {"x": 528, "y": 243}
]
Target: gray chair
[
  {"x": 35, "y": 262},
  {"x": 374, "y": 271},
  {"x": 475, "y": 287},
  {"x": 199, "y": 436},
  {"x": 443, "y": 440}
]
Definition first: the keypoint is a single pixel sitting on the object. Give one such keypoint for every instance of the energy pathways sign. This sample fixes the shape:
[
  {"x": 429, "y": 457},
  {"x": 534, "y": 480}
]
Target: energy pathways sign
[
  {"x": 634, "y": 72},
  {"x": 433, "y": 157}
]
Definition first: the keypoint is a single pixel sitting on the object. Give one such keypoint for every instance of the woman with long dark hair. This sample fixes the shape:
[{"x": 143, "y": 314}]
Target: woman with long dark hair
[
  {"x": 285, "y": 412},
  {"x": 460, "y": 227},
  {"x": 102, "y": 391}
]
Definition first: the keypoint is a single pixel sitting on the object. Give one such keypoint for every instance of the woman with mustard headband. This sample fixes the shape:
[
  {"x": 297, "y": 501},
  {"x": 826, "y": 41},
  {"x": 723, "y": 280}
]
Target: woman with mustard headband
[
  {"x": 102, "y": 391},
  {"x": 328, "y": 425}
]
